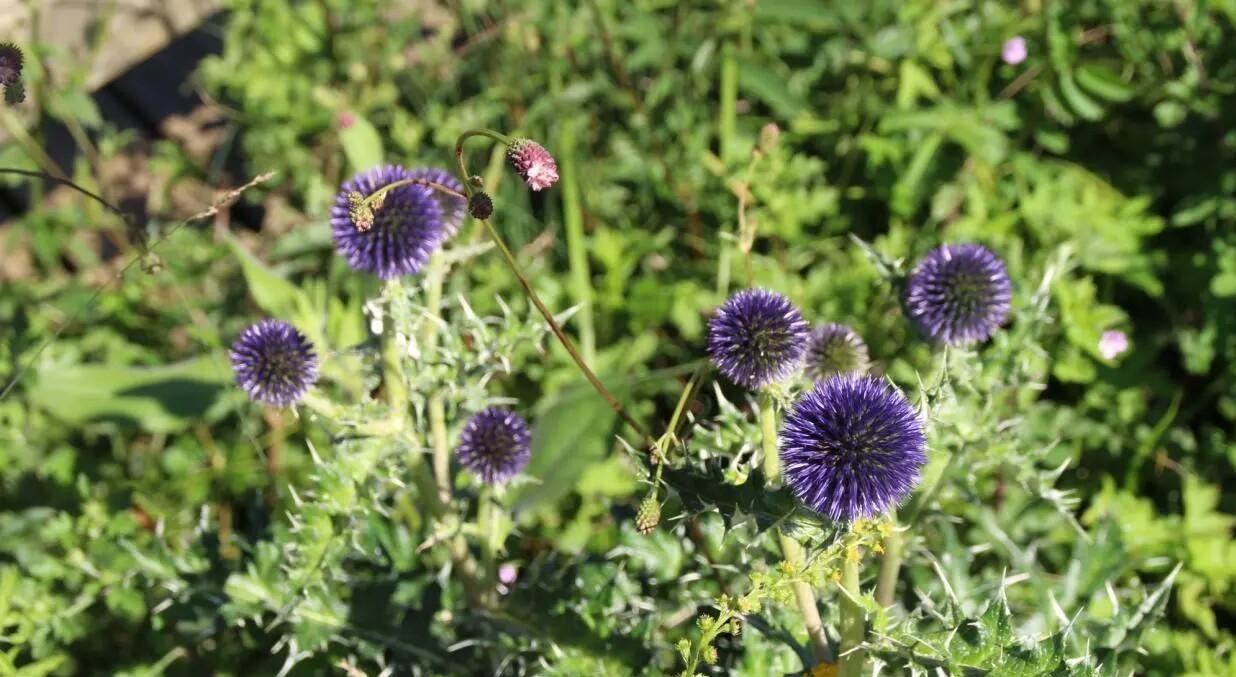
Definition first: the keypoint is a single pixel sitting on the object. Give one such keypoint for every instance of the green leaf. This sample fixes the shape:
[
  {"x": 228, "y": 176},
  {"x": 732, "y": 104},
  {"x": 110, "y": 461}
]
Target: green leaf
[
  {"x": 273, "y": 293},
  {"x": 810, "y": 13},
  {"x": 155, "y": 399},
  {"x": 770, "y": 87},
  {"x": 361, "y": 144},
  {"x": 1103, "y": 83}
]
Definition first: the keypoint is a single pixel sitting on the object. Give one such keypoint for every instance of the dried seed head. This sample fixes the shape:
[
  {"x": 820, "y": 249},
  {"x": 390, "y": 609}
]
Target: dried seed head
[
  {"x": 480, "y": 205},
  {"x": 11, "y": 63}
]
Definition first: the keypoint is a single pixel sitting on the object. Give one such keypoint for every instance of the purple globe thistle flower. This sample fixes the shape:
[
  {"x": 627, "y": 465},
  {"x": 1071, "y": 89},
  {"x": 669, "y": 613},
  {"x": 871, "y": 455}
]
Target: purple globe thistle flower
[
  {"x": 397, "y": 233},
  {"x": 835, "y": 349},
  {"x": 274, "y": 363},
  {"x": 494, "y": 444},
  {"x": 11, "y": 63},
  {"x": 757, "y": 337},
  {"x": 1013, "y": 51},
  {"x": 533, "y": 163},
  {"x": 852, "y": 448},
  {"x": 959, "y": 294}
]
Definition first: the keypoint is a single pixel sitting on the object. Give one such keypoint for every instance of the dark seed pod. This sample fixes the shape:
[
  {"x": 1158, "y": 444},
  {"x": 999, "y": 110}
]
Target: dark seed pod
[{"x": 480, "y": 205}]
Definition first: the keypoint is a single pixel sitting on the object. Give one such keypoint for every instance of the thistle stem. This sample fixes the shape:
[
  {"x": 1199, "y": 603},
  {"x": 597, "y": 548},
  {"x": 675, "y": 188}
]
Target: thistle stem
[
  {"x": 890, "y": 566},
  {"x": 392, "y": 362},
  {"x": 562, "y": 337},
  {"x": 66, "y": 182},
  {"x": 768, "y": 432},
  {"x": 851, "y": 659},
  {"x": 435, "y": 278},
  {"x": 791, "y": 549},
  {"x": 441, "y": 188}
]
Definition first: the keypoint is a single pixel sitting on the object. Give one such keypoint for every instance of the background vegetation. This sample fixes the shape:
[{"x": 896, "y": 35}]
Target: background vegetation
[{"x": 152, "y": 520}]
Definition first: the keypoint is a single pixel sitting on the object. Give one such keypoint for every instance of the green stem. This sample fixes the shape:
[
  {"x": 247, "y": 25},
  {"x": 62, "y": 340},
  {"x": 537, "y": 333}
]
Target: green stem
[
  {"x": 441, "y": 188},
  {"x": 851, "y": 658},
  {"x": 562, "y": 337},
  {"x": 66, "y": 182},
  {"x": 459, "y": 151},
  {"x": 726, "y": 124},
  {"x": 577, "y": 257},
  {"x": 791, "y": 549},
  {"x": 890, "y": 566},
  {"x": 392, "y": 361},
  {"x": 768, "y": 432},
  {"x": 804, "y": 596},
  {"x": 434, "y": 280}
]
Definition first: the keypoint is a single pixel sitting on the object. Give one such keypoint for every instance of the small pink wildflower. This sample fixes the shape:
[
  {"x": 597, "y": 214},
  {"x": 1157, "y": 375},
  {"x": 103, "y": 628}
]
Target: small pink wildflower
[
  {"x": 507, "y": 573},
  {"x": 533, "y": 163},
  {"x": 1014, "y": 50},
  {"x": 1113, "y": 344}
]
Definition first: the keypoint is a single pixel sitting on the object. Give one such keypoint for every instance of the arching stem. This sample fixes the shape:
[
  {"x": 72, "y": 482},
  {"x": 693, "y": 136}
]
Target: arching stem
[{"x": 513, "y": 264}]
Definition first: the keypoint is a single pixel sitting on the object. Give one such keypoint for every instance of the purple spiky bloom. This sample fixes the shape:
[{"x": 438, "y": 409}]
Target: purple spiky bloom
[
  {"x": 959, "y": 294},
  {"x": 852, "y": 447},
  {"x": 494, "y": 444},
  {"x": 834, "y": 349},
  {"x": 274, "y": 363},
  {"x": 757, "y": 337},
  {"x": 533, "y": 163},
  {"x": 400, "y": 230}
]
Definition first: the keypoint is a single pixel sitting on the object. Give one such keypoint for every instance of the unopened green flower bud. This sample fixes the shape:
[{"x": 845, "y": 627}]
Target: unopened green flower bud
[{"x": 649, "y": 514}]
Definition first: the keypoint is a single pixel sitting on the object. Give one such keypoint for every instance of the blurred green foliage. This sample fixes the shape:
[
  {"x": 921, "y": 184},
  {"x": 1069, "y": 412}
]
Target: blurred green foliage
[{"x": 152, "y": 521}]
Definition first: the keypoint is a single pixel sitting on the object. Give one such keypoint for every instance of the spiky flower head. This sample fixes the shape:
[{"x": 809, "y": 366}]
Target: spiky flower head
[
  {"x": 852, "y": 447},
  {"x": 757, "y": 337},
  {"x": 274, "y": 363},
  {"x": 959, "y": 294},
  {"x": 11, "y": 63},
  {"x": 835, "y": 349},
  {"x": 396, "y": 233},
  {"x": 533, "y": 163},
  {"x": 495, "y": 445},
  {"x": 480, "y": 205}
]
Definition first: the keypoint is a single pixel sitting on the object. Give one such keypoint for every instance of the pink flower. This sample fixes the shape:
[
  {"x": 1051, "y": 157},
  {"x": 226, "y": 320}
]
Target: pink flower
[
  {"x": 533, "y": 163},
  {"x": 346, "y": 120},
  {"x": 507, "y": 573},
  {"x": 1014, "y": 50},
  {"x": 1113, "y": 344}
]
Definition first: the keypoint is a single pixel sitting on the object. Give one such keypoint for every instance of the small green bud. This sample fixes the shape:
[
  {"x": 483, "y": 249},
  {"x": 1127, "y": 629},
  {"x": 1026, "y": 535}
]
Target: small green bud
[{"x": 649, "y": 514}]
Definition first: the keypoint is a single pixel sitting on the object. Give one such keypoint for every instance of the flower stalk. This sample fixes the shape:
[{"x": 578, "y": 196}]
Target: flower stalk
[
  {"x": 791, "y": 549},
  {"x": 851, "y": 657},
  {"x": 517, "y": 270}
]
